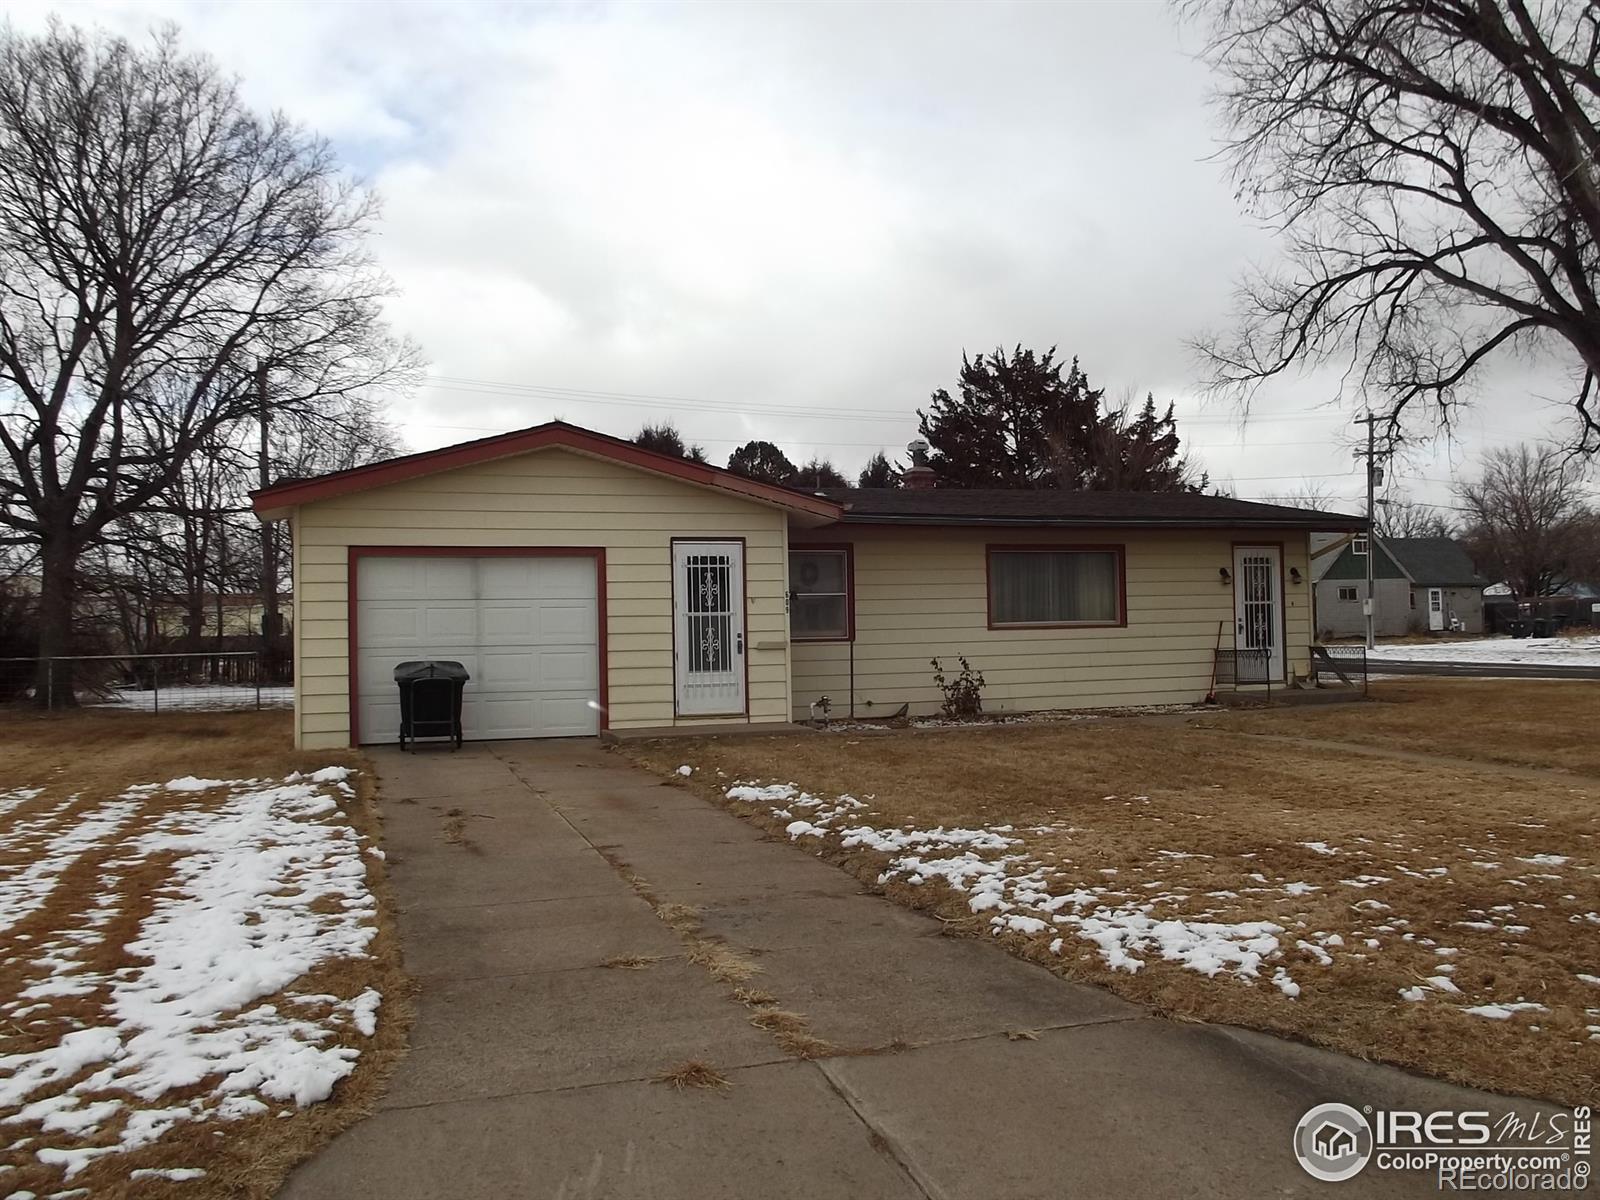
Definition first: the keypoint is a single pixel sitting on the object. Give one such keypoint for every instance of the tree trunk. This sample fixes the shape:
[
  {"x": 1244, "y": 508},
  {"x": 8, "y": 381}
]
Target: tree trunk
[
  {"x": 194, "y": 621},
  {"x": 57, "y": 597}
]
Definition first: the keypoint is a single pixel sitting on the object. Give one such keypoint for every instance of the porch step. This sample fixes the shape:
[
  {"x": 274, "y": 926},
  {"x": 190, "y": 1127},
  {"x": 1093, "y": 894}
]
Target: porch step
[{"x": 649, "y": 733}]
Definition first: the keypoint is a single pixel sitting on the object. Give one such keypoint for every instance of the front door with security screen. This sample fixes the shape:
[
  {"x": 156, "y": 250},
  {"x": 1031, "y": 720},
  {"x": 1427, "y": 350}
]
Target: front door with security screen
[
  {"x": 1435, "y": 610},
  {"x": 708, "y": 627},
  {"x": 1258, "y": 603}
]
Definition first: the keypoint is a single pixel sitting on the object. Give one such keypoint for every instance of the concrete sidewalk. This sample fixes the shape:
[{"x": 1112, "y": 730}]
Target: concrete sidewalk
[{"x": 516, "y": 866}]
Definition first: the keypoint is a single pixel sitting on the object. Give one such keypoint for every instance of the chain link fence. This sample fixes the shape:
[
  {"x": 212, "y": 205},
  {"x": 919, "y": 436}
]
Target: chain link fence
[{"x": 156, "y": 683}]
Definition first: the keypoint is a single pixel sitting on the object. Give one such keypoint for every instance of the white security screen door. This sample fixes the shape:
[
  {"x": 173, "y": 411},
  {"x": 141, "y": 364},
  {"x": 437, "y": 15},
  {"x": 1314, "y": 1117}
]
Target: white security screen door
[
  {"x": 1258, "y": 603},
  {"x": 1435, "y": 609},
  {"x": 708, "y": 627}
]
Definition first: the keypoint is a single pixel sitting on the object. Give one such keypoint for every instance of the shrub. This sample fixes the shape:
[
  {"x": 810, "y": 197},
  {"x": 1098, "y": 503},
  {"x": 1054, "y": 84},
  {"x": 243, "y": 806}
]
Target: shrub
[{"x": 963, "y": 695}]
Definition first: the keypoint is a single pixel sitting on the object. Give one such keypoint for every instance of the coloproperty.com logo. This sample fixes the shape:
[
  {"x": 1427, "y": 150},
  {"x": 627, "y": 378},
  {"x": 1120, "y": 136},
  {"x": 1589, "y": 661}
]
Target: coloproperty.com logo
[{"x": 1464, "y": 1151}]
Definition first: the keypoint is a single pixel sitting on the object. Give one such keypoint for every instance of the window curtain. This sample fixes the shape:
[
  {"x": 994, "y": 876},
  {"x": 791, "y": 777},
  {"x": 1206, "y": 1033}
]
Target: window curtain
[{"x": 1035, "y": 588}]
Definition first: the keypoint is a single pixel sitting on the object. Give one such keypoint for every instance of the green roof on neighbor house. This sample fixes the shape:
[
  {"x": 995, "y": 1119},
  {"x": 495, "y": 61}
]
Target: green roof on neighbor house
[
  {"x": 1426, "y": 562},
  {"x": 1435, "y": 561}
]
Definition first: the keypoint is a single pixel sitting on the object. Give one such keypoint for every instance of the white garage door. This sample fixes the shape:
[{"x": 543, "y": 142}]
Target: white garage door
[{"x": 526, "y": 628}]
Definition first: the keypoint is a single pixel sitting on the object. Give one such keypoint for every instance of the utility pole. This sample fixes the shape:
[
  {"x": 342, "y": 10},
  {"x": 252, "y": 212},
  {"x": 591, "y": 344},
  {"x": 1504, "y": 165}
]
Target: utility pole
[
  {"x": 269, "y": 558},
  {"x": 1374, "y": 479}
]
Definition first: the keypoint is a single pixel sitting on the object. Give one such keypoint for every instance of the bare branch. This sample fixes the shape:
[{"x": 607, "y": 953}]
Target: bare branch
[{"x": 1434, "y": 168}]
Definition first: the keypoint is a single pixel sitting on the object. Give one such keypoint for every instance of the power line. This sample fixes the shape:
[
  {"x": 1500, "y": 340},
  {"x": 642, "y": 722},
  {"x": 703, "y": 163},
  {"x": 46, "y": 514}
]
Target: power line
[
  {"x": 885, "y": 443},
  {"x": 552, "y": 392}
]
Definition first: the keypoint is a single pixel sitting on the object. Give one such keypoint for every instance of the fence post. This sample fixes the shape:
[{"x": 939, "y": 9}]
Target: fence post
[
  {"x": 49, "y": 685},
  {"x": 255, "y": 660}
]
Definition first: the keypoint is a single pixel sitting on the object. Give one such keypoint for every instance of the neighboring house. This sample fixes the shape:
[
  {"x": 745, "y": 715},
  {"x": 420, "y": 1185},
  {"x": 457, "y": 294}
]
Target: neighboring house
[
  {"x": 589, "y": 584},
  {"x": 1573, "y": 603},
  {"x": 1422, "y": 585},
  {"x": 239, "y": 614}
]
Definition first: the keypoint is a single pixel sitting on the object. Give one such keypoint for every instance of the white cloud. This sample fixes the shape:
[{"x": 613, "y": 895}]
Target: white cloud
[{"x": 784, "y": 206}]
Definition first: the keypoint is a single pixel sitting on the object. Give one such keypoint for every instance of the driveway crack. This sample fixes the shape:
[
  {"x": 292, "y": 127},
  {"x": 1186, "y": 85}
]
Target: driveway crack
[{"x": 886, "y": 1144}]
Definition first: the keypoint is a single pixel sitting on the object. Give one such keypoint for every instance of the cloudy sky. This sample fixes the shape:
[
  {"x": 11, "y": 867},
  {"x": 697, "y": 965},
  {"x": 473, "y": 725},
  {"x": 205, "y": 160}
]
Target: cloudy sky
[{"x": 789, "y": 221}]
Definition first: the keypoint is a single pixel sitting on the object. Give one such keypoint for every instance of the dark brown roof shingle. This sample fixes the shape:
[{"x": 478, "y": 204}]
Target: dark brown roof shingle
[{"x": 962, "y": 506}]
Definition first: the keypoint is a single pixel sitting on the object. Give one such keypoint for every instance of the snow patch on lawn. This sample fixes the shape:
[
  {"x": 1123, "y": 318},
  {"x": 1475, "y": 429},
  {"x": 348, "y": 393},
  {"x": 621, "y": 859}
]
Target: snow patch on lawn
[
  {"x": 1013, "y": 889},
  {"x": 190, "y": 784},
  {"x": 1130, "y": 918},
  {"x": 27, "y": 890},
  {"x": 1503, "y": 1012},
  {"x": 261, "y": 889},
  {"x": 11, "y": 799},
  {"x": 1564, "y": 651}
]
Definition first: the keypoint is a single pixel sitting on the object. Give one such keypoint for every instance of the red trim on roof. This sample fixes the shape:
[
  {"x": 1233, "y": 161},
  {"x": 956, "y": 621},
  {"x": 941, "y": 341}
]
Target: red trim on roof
[{"x": 539, "y": 437}]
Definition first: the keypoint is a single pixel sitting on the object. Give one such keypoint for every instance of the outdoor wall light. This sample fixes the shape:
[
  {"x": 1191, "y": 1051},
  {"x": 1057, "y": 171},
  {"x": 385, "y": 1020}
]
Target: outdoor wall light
[
  {"x": 1222, "y": 573},
  {"x": 1294, "y": 575}
]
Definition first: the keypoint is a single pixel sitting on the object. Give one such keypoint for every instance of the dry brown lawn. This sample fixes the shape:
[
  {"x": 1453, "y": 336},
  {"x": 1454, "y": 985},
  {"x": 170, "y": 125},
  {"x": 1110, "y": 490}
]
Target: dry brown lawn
[
  {"x": 1387, "y": 876},
  {"x": 1518, "y": 722},
  {"x": 81, "y": 760}
]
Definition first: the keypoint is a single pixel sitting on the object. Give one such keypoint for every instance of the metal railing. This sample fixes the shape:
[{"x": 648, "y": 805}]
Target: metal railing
[
  {"x": 200, "y": 682},
  {"x": 1348, "y": 663},
  {"x": 1244, "y": 668}
]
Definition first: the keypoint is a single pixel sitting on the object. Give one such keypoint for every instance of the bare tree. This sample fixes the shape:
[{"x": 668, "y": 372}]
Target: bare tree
[
  {"x": 1399, "y": 516},
  {"x": 1310, "y": 494},
  {"x": 1432, "y": 166},
  {"x": 158, "y": 244},
  {"x": 1528, "y": 522}
]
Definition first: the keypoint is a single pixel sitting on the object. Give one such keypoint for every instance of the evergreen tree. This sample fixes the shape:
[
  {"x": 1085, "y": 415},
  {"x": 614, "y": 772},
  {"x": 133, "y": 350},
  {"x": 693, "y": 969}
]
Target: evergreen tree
[
  {"x": 879, "y": 473},
  {"x": 996, "y": 433},
  {"x": 763, "y": 461},
  {"x": 1127, "y": 453},
  {"x": 1024, "y": 421},
  {"x": 819, "y": 474},
  {"x": 663, "y": 437}
]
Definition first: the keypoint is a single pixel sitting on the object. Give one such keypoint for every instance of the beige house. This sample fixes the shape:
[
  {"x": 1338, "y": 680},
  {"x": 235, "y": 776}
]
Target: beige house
[{"x": 590, "y": 585}]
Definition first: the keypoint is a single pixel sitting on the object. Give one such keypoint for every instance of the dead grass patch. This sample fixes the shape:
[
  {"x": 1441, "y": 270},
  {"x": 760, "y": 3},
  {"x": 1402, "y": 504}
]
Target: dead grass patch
[
  {"x": 695, "y": 1073},
  {"x": 1536, "y": 723},
  {"x": 721, "y": 961},
  {"x": 96, "y": 756},
  {"x": 754, "y": 997},
  {"x": 680, "y": 918},
  {"x": 631, "y": 962},
  {"x": 792, "y": 1032},
  {"x": 1383, "y": 874}
]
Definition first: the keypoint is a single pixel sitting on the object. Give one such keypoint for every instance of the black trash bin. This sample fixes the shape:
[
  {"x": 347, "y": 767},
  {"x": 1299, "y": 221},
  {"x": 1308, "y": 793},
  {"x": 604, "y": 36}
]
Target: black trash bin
[{"x": 430, "y": 700}]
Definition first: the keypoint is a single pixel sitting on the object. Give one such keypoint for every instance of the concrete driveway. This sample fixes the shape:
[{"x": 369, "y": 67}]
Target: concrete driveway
[{"x": 521, "y": 868}]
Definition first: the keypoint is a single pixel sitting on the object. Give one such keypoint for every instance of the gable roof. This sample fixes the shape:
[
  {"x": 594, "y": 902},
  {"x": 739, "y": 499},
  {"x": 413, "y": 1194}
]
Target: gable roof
[
  {"x": 1434, "y": 561},
  {"x": 273, "y": 502},
  {"x": 983, "y": 506},
  {"x": 1348, "y": 565}
]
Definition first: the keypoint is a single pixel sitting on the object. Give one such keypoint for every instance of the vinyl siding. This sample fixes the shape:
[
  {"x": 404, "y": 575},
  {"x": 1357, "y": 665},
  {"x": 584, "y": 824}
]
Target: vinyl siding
[
  {"x": 1338, "y": 618},
  {"x": 923, "y": 593},
  {"x": 551, "y": 497},
  {"x": 1463, "y": 603}
]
